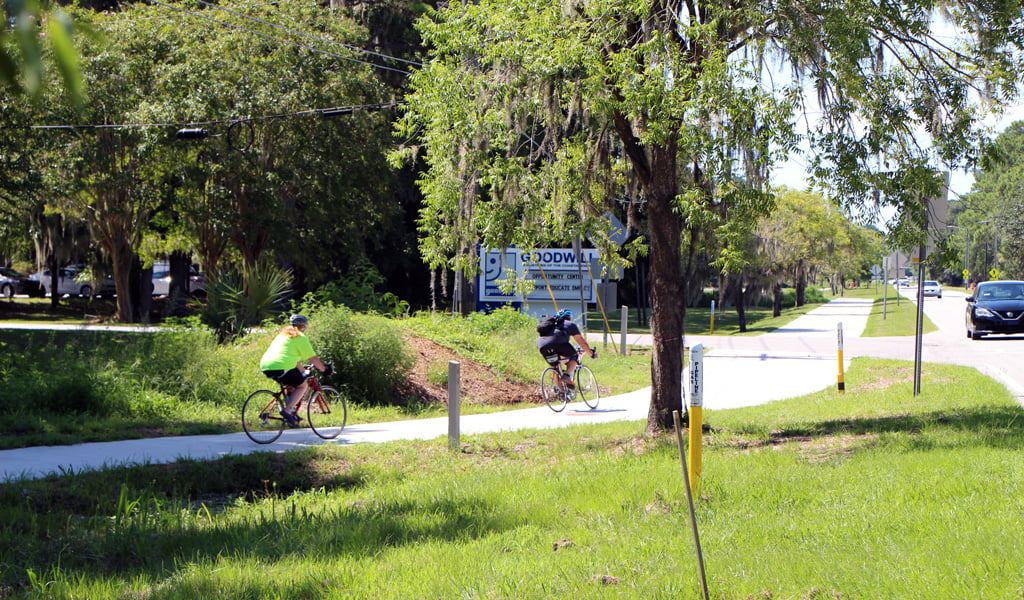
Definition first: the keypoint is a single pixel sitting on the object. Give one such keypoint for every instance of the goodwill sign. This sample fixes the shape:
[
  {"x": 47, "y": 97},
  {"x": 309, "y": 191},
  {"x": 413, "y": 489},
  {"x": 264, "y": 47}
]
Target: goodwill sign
[{"x": 554, "y": 269}]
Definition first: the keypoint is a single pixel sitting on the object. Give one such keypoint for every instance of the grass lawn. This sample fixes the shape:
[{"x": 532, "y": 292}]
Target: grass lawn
[
  {"x": 891, "y": 315},
  {"x": 873, "y": 493}
]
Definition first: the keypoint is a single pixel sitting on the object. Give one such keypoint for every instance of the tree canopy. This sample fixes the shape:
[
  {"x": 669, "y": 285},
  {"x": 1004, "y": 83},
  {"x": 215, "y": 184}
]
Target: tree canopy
[
  {"x": 534, "y": 118},
  {"x": 993, "y": 212}
]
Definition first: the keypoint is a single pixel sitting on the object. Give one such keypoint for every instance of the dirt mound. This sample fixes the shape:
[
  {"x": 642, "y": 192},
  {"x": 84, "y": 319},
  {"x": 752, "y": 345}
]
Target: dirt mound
[{"x": 479, "y": 384}]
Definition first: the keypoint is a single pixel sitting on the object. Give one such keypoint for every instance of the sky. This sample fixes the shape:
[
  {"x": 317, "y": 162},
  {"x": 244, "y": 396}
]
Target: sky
[{"x": 794, "y": 173}]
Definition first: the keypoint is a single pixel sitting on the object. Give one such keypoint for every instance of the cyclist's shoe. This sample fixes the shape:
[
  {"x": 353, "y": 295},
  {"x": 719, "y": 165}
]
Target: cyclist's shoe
[
  {"x": 291, "y": 418},
  {"x": 567, "y": 381}
]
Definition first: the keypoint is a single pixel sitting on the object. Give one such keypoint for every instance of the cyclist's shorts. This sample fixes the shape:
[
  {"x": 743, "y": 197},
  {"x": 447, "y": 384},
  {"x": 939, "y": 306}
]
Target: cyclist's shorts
[
  {"x": 292, "y": 377},
  {"x": 553, "y": 352}
]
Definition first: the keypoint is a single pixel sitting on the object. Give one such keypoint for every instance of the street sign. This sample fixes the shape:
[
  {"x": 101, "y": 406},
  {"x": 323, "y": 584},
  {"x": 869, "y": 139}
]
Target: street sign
[
  {"x": 967, "y": 273},
  {"x": 994, "y": 274},
  {"x": 616, "y": 230}
]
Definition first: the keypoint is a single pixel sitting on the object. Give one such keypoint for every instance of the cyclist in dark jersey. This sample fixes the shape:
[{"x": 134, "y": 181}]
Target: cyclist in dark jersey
[{"x": 554, "y": 343}]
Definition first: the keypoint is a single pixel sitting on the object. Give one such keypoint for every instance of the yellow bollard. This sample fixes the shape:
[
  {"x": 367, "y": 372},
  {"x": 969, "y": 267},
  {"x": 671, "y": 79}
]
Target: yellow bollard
[
  {"x": 696, "y": 410},
  {"x": 712, "y": 318},
  {"x": 696, "y": 429},
  {"x": 842, "y": 384}
]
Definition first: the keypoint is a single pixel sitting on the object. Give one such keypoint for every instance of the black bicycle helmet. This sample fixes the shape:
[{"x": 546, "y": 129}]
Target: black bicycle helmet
[{"x": 298, "y": 321}]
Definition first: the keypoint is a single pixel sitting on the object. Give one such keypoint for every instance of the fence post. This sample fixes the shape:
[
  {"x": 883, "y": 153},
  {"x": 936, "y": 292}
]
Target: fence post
[
  {"x": 625, "y": 323},
  {"x": 454, "y": 397}
]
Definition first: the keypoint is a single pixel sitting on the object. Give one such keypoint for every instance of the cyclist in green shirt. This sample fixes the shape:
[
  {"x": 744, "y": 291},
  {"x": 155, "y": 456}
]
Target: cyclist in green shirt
[{"x": 283, "y": 360}]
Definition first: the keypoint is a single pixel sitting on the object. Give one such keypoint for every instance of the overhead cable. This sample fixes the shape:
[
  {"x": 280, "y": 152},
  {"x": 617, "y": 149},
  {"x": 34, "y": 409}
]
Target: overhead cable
[{"x": 324, "y": 112}]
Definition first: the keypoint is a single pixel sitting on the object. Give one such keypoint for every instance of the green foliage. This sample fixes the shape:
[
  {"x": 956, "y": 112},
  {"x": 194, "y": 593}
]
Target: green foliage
[
  {"x": 369, "y": 356},
  {"x": 358, "y": 290},
  {"x": 246, "y": 297},
  {"x": 994, "y": 212},
  {"x": 42, "y": 34}
]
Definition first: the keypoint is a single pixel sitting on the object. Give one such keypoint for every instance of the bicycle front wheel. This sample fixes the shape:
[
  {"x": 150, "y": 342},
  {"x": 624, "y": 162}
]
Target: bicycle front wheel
[
  {"x": 261, "y": 417},
  {"x": 552, "y": 389},
  {"x": 327, "y": 412},
  {"x": 586, "y": 385}
]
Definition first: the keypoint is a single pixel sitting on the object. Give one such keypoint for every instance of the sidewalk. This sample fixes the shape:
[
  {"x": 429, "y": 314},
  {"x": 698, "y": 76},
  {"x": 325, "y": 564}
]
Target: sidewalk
[{"x": 738, "y": 371}]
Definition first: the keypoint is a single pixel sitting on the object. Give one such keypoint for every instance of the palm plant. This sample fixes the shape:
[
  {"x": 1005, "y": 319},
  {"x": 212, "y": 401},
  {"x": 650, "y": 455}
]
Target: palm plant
[{"x": 245, "y": 297}]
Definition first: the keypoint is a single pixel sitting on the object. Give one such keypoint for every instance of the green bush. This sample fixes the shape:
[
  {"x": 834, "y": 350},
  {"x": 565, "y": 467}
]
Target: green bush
[{"x": 369, "y": 356}]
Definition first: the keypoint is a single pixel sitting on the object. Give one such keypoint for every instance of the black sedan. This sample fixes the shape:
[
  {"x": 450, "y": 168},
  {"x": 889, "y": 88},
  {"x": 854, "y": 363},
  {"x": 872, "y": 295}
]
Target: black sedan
[
  {"x": 13, "y": 282},
  {"x": 995, "y": 307}
]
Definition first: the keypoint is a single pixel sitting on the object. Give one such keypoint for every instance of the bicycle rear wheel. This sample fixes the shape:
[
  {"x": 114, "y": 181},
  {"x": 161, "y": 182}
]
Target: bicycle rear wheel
[
  {"x": 586, "y": 385},
  {"x": 327, "y": 412},
  {"x": 261, "y": 417},
  {"x": 552, "y": 391}
]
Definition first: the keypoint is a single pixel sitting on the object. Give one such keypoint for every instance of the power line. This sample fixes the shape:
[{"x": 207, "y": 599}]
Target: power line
[
  {"x": 324, "y": 112},
  {"x": 276, "y": 39}
]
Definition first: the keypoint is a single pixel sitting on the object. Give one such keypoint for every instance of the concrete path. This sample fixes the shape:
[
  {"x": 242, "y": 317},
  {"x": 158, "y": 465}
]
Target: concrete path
[{"x": 798, "y": 359}]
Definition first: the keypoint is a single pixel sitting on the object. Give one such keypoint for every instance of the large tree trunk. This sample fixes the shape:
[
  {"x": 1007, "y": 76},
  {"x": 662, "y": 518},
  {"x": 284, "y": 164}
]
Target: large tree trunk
[{"x": 667, "y": 301}]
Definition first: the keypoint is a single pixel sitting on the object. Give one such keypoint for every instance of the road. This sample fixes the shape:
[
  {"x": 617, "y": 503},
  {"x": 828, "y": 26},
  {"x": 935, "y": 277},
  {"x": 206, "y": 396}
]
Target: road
[{"x": 999, "y": 356}]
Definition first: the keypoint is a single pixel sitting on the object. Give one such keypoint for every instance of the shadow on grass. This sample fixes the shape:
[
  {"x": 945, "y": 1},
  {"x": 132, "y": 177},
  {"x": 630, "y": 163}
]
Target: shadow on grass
[
  {"x": 144, "y": 521},
  {"x": 991, "y": 426}
]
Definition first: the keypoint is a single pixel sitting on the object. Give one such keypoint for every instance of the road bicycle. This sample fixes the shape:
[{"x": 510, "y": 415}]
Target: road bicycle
[
  {"x": 557, "y": 394},
  {"x": 326, "y": 411}
]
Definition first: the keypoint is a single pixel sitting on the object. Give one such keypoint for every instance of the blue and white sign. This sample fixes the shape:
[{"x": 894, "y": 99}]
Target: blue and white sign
[
  {"x": 496, "y": 267},
  {"x": 554, "y": 272}
]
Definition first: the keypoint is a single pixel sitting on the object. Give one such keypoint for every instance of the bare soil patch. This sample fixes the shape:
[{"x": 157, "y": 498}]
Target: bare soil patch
[{"x": 478, "y": 383}]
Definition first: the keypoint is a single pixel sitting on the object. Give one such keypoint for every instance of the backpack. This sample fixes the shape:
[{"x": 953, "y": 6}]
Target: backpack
[{"x": 546, "y": 325}]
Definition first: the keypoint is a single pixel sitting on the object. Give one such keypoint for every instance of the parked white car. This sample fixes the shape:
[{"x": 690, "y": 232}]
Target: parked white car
[
  {"x": 69, "y": 281},
  {"x": 162, "y": 281}
]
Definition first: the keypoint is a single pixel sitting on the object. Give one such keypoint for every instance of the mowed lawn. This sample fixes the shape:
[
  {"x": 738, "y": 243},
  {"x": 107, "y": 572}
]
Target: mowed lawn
[{"x": 874, "y": 493}]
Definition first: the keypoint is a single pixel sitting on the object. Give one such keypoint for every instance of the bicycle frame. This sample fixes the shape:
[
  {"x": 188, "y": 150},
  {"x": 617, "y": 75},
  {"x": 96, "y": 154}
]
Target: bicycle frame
[{"x": 314, "y": 387}]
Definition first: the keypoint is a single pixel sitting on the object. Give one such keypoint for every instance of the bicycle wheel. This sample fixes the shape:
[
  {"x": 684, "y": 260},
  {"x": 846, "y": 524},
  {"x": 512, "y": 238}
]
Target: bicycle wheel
[
  {"x": 261, "y": 417},
  {"x": 551, "y": 389},
  {"x": 586, "y": 385},
  {"x": 327, "y": 412}
]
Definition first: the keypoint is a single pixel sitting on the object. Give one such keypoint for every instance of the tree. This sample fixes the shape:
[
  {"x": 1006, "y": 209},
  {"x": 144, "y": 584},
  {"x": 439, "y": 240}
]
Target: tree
[
  {"x": 533, "y": 116},
  {"x": 30, "y": 35},
  {"x": 993, "y": 209}
]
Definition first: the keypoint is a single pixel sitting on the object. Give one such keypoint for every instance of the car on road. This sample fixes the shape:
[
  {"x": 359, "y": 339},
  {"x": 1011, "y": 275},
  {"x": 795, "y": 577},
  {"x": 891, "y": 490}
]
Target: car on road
[
  {"x": 995, "y": 307},
  {"x": 932, "y": 288},
  {"x": 12, "y": 282}
]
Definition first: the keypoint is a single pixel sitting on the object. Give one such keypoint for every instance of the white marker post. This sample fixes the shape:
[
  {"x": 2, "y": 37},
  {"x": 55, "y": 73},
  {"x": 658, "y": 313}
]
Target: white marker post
[
  {"x": 624, "y": 322},
  {"x": 454, "y": 395}
]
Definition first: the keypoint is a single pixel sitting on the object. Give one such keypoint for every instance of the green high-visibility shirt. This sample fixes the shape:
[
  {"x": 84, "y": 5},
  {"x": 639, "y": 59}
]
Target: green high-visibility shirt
[{"x": 286, "y": 352}]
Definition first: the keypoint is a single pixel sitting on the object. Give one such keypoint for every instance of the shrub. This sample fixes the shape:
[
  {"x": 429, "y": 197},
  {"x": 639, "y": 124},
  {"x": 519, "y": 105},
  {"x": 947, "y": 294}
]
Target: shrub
[{"x": 370, "y": 358}]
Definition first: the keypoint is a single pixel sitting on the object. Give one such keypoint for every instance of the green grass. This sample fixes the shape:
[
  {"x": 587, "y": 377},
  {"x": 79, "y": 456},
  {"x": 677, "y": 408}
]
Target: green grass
[
  {"x": 873, "y": 493},
  {"x": 892, "y": 316},
  {"x": 70, "y": 311},
  {"x": 698, "y": 320}
]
